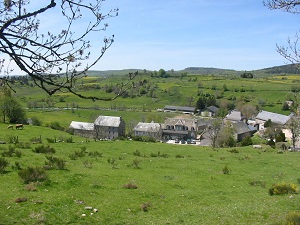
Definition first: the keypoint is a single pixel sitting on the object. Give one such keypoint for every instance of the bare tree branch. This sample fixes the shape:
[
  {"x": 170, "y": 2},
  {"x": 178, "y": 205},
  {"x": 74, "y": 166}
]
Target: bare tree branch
[
  {"x": 291, "y": 52},
  {"x": 54, "y": 59}
]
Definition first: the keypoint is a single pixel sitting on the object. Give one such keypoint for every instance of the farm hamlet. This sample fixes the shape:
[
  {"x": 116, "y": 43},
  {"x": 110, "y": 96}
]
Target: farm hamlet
[
  {"x": 183, "y": 128},
  {"x": 104, "y": 127}
]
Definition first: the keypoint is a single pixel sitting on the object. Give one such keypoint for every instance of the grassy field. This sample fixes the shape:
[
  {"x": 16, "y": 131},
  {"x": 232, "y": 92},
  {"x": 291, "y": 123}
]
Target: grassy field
[
  {"x": 175, "y": 184},
  {"x": 267, "y": 93}
]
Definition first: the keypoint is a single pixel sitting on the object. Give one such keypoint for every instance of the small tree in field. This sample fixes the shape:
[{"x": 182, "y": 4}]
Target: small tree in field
[
  {"x": 10, "y": 108},
  {"x": 214, "y": 131}
]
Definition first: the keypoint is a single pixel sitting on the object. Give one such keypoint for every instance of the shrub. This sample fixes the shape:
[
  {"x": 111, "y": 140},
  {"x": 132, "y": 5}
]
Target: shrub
[
  {"x": 30, "y": 187},
  {"x": 158, "y": 154},
  {"x": 36, "y": 121},
  {"x": 131, "y": 185},
  {"x": 17, "y": 166},
  {"x": 234, "y": 150},
  {"x": 87, "y": 164},
  {"x": 51, "y": 140},
  {"x": 69, "y": 140},
  {"x": 36, "y": 140},
  {"x": 144, "y": 138},
  {"x": 56, "y": 126},
  {"x": 257, "y": 183},
  {"x": 283, "y": 188},
  {"x": 96, "y": 154},
  {"x": 13, "y": 139},
  {"x": 33, "y": 174},
  {"x": 55, "y": 163},
  {"x": 9, "y": 153},
  {"x": 3, "y": 164},
  {"x": 226, "y": 170},
  {"x": 137, "y": 153},
  {"x": 246, "y": 141},
  {"x": 44, "y": 149},
  {"x": 23, "y": 145},
  {"x": 293, "y": 218},
  {"x": 136, "y": 163},
  {"x": 78, "y": 154}
]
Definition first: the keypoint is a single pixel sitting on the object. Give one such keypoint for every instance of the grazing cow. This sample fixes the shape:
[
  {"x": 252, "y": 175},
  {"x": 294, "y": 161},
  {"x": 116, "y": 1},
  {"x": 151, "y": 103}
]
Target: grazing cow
[
  {"x": 10, "y": 127},
  {"x": 19, "y": 126}
]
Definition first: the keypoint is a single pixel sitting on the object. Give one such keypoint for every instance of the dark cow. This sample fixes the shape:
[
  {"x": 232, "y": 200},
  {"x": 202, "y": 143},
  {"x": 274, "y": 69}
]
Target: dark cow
[{"x": 19, "y": 126}]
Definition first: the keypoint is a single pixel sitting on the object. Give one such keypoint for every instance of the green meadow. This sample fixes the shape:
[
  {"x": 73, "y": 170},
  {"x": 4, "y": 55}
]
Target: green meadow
[
  {"x": 132, "y": 182},
  {"x": 129, "y": 182}
]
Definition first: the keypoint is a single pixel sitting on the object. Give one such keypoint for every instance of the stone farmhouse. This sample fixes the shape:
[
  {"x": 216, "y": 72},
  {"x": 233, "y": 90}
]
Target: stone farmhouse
[
  {"x": 104, "y": 127},
  {"x": 148, "y": 129},
  {"x": 179, "y": 128},
  {"x": 109, "y": 127}
]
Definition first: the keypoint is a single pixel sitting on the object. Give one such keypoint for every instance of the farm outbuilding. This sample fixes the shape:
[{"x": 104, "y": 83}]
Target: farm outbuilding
[{"x": 82, "y": 129}]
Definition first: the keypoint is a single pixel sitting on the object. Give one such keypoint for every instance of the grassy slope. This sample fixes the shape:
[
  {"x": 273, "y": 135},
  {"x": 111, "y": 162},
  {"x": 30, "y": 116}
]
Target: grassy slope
[{"x": 190, "y": 189}]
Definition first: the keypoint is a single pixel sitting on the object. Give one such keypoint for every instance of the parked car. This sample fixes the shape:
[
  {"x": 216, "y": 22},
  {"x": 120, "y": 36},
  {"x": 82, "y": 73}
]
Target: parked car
[
  {"x": 182, "y": 141},
  {"x": 176, "y": 140},
  {"x": 189, "y": 141}
]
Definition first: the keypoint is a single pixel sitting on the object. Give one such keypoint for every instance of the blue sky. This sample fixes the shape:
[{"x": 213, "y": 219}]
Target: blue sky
[{"x": 175, "y": 34}]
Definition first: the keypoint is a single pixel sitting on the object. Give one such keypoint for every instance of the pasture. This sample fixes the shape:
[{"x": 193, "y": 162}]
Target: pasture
[
  {"x": 143, "y": 183},
  {"x": 267, "y": 93}
]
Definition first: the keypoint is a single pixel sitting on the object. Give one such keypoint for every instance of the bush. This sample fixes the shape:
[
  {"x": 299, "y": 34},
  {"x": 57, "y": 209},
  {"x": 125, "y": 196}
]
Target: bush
[
  {"x": 226, "y": 170},
  {"x": 13, "y": 139},
  {"x": 136, "y": 163},
  {"x": 56, "y": 126},
  {"x": 44, "y": 149},
  {"x": 144, "y": 138},
  {"x": 130, "y": 185},
  {"x": 96, "y": 154},
  {"x": 257, "y": 183},
  {"x": 246, "y": 141},
  {"x": 283, "y": 188},
  {"x": 234, "y": 150},
  {"x": 36, "y": 121},
  {"x": 158, "y": 154},
  {"x": 78, "y": 154},
  {"x": 293, "y": 218},
  {"x": 55, "y": 163},
  {"x": 3, "y": 164},
  {"x": 137, "y": 153},
  {"x": 33, "y": 174}
]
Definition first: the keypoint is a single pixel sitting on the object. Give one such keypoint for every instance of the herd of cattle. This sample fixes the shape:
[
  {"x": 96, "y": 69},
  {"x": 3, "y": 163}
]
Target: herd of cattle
[{"x": 18, "y": 126}]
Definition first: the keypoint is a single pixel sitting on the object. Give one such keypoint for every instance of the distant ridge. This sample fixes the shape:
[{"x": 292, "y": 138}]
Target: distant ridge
[{"x": 276, "y": 70}]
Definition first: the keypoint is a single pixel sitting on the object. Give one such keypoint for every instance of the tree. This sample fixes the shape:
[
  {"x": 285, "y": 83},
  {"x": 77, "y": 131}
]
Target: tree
[
  {"x": 10, "y": 108},
  {"x": 291, "y": 52},
  {"x": 55, "y": 60},
  {"x": 294, "y": 126},
  {"x": 225, "y": 137},
  {"x": 214, "y": 130}
]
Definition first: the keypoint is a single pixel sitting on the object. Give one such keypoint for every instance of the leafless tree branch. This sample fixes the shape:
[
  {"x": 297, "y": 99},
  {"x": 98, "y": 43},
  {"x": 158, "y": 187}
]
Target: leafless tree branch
[{"x": 54, "y": 60}]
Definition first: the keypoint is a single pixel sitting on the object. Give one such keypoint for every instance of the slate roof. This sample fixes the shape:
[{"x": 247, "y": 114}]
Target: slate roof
[
  {"x": 108, "y": 121},
  {"x": 241, "y": 128},
  {"x": 147, "y": 127},
  {"x": 235, "y": 115},
  {"x": 213, "y": 109},
  {"x": 81, "y": 125},
  {"x": 181, "y": 121},
  {"x": 274, "y": 117},
  {"x": 179, "y": 108}
]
